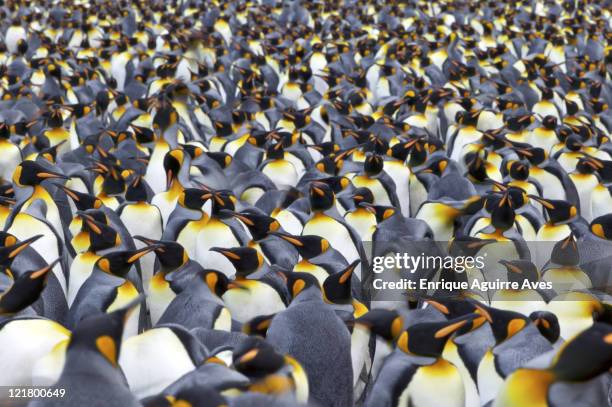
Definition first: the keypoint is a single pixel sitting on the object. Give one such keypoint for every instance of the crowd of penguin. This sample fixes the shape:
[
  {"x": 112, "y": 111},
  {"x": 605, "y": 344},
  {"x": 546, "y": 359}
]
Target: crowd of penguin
[{"x": 191, "y": 191}]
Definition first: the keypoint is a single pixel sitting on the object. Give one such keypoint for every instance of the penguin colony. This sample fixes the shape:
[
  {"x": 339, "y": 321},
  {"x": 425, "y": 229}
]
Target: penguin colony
[{"x": 189, "y": 189}]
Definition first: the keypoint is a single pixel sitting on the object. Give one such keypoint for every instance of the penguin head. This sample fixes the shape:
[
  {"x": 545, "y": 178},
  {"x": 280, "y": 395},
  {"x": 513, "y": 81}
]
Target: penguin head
[
  {"x": 336, "y": 183},
  {"x": 387, "y": 324},
  {"x": 549, "y": 122},
  {"x": 373, "y": 165},
  {"x": 337, "y": 286},
  {"x": 258, "y": 326},
  {"x": 381, "y": 212},
  {"x": 25, "y": 290},
  {"x": 585, "y": 356},
  {"x": 457, "y": 307},
  {"x": 137, "y": 190},
  {"x": 173, "y": 162},
  {"x": 120, "y": 262},
  {"x": 547, "y": 323},
  {"x": 245, "y": 260},
  {"x": 503, "y": 215},
  {"x": 254, "y": 357},
  {"x": 171, "y": 255},
  {"x": 258, "y": 224},
  {"x": 216, "y": 281},
  {"x": 362, "y": 195},
  {"x": 82, "y": 201},
  {"x": 504, "y": 324},
  {"x": 518, "y": 170},
  {"x": 321, "y": 196},
  {"x": 308, "y": 246},
  {"x": 30, "y": 173},
  {"x": 565, "y": 252},
  {"x": 602, "y": 227},
  {"x": 521, "y": 270},
  {"x": 429, "y": 338},
  {"x": 558, "y": 211},
  {"x": 101, "y": 334},
  {"x": 165, "y": 116},
  {"x": 12, "y": 248},
  {"x": 194, "y": 198},
  {"x": 535, "y": 155},
  {"x": 101, "y": 236},
  {"x": 299, "y": 283}
]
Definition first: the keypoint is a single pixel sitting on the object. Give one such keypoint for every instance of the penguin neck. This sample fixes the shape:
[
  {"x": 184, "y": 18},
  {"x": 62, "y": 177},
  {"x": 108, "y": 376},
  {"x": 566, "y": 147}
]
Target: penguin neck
[
  {"x": 312, "y": 293},
  {"x": 175, "y": 188}
]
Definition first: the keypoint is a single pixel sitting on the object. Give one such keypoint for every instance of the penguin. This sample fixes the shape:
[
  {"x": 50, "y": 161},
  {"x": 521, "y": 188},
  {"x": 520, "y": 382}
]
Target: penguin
[
  {"x": 200, "y": 304},
  {"x": 325, "y": 356},
  {"x": 584, "y": 357},
  {"x": 509, "y": 329},
  {"x": 154, "y": 359},
  {"x": 308, "y": 247},
  {"x": 11, "y": 154},
  {"x": 176, "y": 166},
  {"x": 24, "y": 291},
  {"x": 387, "y": 326},
  {"x": 244, "y": 297},
  {"x": 329, "y": 226},
  {"x": 110, "y": 286},
  {"x": 522, "y": 300},
  {"x": 29, "y": 347},
  {"x": 269, "y": 371},
  {"x": 403, "y": 379},
  {"x": 91, "y": 363},
  {"x": 131, "y": 213}
]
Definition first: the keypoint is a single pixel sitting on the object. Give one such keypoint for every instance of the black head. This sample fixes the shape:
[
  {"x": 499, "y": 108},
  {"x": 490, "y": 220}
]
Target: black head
[
  {"x": 521, "y": 270},
  {"x": 337, "y": 287},
  {"x": 429, "y": 338},
  {"x": 321, "y": 196},
  {"x": 565, "y": 252},
  {"x": 12, "y": 248},
  {"x": 82, "y": 201},
  {"x": 387, "y": 324},
  {"x": 547, "y": 323},
  {"x": 602, "y": 227},
  {"x": 171, "y": 255},
  {"x": 25, "y": 291},
  {"x": 258, "y": 224},
  {"x": 254, "y": 357},
  {"x": 246, "y": 260},
  {"x": 30, "y": 173},
  {"x": 258, "y": 326},
  {"x": 194, "y": 198},
  {"x": 308, "y": 246},
  {"x": 120, "y": 262}
]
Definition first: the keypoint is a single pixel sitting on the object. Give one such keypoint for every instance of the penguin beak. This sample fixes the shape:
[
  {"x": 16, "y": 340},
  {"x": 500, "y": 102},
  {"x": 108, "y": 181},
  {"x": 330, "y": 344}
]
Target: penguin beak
[
  {"x": 346, "y": 275},
  {"x": 510, "y": 267},
  {"x": 142, "y": 252},
  {"x": 21, "y": 246},
  {"x": 440, "y": 307},
  {"x": 227, "y": 253},
  {"x": 43, "y": 271},
  {"x": 453, "y": 327},
  {"x": 288, "y": 238},
  {"x": 544, "y": 203},
  {"x": 50, "y": 175}
]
